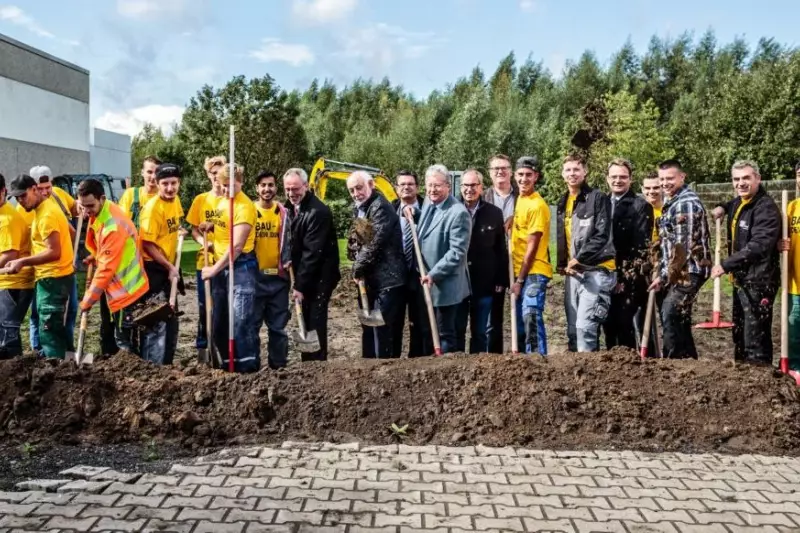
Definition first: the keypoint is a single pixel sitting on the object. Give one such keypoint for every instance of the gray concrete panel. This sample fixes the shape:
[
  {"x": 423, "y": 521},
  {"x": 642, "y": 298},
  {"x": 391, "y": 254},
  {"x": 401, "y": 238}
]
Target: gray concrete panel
[{"x": 17, "y": 157}]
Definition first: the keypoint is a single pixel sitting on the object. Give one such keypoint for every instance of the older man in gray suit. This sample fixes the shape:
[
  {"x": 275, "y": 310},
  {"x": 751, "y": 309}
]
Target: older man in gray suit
[{"x": 444, "y": 232}]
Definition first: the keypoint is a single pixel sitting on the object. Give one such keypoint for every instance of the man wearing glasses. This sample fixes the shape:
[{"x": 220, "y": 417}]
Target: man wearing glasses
[{"x": 502, "y": 195}]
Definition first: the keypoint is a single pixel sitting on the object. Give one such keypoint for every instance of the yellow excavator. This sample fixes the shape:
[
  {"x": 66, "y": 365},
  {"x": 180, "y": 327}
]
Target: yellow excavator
[{"x": 325, "y": 169}]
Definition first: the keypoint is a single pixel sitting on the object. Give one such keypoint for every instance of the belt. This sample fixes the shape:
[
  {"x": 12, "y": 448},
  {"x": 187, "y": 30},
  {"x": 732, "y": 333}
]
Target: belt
[{"x": 269, "y": 271}]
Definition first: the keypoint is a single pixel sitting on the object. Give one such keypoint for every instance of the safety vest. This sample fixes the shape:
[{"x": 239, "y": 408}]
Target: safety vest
[{"x": 113, "y": 241}]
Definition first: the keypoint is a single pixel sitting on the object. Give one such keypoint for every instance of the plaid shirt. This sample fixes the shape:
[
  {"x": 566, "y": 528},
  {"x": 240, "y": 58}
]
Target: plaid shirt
[{"x": 683, "y": 221}]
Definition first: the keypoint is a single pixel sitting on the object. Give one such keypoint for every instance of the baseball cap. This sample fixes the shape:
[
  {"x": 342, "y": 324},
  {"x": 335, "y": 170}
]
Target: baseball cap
[
  {"x": 528, "y": 161},
  {"x": 20, "y": 185},
  {"x": 41, "y": 171},
  {"x": 167, "y": 170}
]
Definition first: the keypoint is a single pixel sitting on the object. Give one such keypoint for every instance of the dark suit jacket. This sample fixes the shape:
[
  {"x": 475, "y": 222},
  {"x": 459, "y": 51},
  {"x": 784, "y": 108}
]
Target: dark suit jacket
[
  {"x": 488, "y": 254},
  {"x": 633, "y": 220},
  {"x": 315, "y": 250}
]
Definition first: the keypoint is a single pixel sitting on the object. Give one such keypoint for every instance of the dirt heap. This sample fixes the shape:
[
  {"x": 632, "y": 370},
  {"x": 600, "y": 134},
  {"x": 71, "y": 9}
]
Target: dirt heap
[{"x": 568, "y": 401}]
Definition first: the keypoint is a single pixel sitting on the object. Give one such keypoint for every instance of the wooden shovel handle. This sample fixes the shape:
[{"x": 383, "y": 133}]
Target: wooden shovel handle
[
  {"x": 426, "y": 291},
  {"x": 173, "y": 292}
]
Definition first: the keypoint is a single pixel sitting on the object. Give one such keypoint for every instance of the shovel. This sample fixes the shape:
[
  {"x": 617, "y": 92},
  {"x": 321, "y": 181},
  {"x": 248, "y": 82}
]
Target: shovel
[
  {"x": 369, "y": 318},
  {"x": 212, "y": 348},
  {"x": 784, "y": 361},
  {"x": 307, "y": 341},
  {"x": 514, "y": 335},
  {"x": 716, "y": 323},
  {"x": 165, "y": 310},
  {"x": 89, "y": 359}
]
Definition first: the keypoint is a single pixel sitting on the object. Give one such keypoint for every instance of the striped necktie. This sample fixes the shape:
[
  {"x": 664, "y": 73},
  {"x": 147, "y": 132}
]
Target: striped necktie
[{"x": 408, "y": 241}]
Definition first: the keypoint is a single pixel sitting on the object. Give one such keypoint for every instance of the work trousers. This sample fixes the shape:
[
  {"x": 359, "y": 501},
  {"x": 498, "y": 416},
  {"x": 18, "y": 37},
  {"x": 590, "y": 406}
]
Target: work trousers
[
  {"x": 52, "y": 297},
  {"x": 108, "y": 328},
  {"x": 378, "y": 342},
  {"x": 752, "y": 323},
  {"x": 476, "y": 311},
  {"x": 246, "y": 356},
  {"x": 72, "y": 313},
  {"x": 794, "y": 331},
  {"x": 272, "y": 309},
  {"x": 412, "y": 303},
  {"x": 495, "y": 327},
  {"x": 625, "y": 321},
  {"x": 315, "y": 315},
  {"x": 587, "y": 301},
  {"x": 14, "y": 305},
  {"x": 531, "y": 331},
  {"x": 450, "y": 330},
  {"x": 201, "y": 340},
  {"x": 159, "y": 341},
  {"x": 676, "y": 319}
]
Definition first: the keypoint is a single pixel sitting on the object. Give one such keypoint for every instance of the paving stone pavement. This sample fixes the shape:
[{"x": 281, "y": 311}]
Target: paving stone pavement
[{"x": 354, "y": 488}]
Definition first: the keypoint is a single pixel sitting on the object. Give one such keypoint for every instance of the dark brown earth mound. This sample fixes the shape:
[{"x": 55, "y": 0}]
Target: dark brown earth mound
[{"x": 604, "y": 400}]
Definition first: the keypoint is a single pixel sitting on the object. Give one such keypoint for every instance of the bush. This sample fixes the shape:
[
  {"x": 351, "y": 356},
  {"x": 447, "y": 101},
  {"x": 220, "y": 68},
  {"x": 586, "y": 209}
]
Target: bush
[{"x": 342, "y": 216}]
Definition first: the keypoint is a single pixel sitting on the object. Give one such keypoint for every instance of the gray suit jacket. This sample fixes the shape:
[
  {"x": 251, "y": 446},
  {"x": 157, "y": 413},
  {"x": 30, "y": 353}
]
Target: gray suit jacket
[{"x": 444, "y": 241}]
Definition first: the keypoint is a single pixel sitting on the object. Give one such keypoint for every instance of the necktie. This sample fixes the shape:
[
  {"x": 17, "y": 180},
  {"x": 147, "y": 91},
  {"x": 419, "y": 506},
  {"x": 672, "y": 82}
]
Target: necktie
[{"x": 408, "y": 243}]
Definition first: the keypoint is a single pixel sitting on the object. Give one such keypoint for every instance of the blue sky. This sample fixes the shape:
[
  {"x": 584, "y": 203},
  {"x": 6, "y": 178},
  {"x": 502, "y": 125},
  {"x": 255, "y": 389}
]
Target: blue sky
[{"x": 148, "y": 57}]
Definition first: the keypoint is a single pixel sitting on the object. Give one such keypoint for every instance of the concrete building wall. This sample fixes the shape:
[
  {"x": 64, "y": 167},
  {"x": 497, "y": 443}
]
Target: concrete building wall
[
  {"x": 110, "y": 154},
  {"x": 17, "y": 157}
]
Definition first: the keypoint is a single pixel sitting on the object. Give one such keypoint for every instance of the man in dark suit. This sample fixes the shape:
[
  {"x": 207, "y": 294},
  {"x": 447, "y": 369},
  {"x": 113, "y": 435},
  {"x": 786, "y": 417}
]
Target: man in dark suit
[
  {"x": 315, "y": 256},
  {"x": 632, "y": 222},
  {"x": 420, "y": 342},
  {"x": 444, "y": 233},
  {"x": 487, "y": 259}
]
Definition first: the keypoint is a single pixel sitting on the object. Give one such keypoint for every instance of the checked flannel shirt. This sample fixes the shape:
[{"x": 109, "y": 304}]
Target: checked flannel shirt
[{"x": 683, "y": 220}]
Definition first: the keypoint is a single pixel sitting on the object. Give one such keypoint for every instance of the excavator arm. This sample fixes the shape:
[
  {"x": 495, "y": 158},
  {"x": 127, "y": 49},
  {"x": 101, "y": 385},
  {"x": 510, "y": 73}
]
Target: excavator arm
[{"x": 325, "y": 169}]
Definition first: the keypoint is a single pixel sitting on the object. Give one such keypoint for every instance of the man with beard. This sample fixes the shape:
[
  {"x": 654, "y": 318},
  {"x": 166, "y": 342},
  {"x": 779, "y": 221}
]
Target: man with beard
[
  {"x": 315, "y": 256},
  {"x": 376, "y": 250}
]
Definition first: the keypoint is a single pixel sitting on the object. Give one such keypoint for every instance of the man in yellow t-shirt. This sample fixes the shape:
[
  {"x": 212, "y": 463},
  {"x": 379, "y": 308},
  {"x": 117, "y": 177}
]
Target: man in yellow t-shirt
[
  {"x": 530, "y": 239},
  {"x": 201, "y": 216},
  {"x": 273, "y": 254},
  {"x": 246, "y": 357},
  {"x": 792, "y": 245},
  {"x": 51, "y": 260},
  {"x": 134, "y": 199},
  {"x": 160, "y": 222},
  {"x": 651, "y": 190},
  {"x": 16, "y": 290},
  {"x": 586, "y": 255}
]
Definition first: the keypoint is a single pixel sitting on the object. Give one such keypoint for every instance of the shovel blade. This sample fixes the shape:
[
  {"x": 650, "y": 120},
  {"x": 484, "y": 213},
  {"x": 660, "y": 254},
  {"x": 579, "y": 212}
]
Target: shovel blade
[
  {"x": 87, "y": 359},
  {"x": 309, "y": 343},
  {"x": 373, "y": 319}
]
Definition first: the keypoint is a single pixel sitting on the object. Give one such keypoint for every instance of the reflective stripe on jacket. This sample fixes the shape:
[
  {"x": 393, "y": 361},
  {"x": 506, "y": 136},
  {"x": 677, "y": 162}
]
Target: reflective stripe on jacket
[{"x": 113, "y": 241}]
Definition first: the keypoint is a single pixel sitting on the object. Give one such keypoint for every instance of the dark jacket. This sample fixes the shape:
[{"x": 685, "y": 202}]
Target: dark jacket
[
  {"x": 315, "y": 251},
  {"x": 487, "y": 257},
  {"x": 591, "y": 229},
  {"x": 380, "y": 262},
  {"x": 633, "y": 222},
  {"x": 753, "y": 256},
  {"x": 412, "y": 280}
]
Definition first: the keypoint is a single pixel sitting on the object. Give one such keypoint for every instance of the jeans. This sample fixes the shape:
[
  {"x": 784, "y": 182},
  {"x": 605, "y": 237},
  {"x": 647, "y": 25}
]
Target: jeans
[
  {"x": 14, "y": 304},
  {"x": 378, "y": 342},
  {"x": 158, "y": 342},
  {"x": 531, "y": 331},
  {"x": 72, "y": 313},
  {"x": 449, "y": 328},
  {"x": 794, "y": 331},
  {"x": 201, "y": 341},
  {"x": 676, "y": 319},
  {"x": 752, "y": 323},
  {"x": 477, "y": 311},
  {"x": 52, "y": 295},
  {"x": 272, "y": 308},
  {"x": 586, "y": 303},
  {"x": 246, "y": 356}
]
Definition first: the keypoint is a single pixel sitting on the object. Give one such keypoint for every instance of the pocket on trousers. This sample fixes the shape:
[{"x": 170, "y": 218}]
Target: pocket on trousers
[{"x": 601, "y": 307}]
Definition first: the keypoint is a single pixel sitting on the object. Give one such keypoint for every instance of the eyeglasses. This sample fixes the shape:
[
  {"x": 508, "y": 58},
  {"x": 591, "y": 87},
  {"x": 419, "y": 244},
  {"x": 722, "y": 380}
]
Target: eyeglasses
[
  {"x": 498, "y": 169},
  {"x": 470, "y": 185}
]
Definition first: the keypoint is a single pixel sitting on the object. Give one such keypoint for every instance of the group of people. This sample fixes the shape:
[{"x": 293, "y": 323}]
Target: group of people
[{"x": 462, "y": 256}]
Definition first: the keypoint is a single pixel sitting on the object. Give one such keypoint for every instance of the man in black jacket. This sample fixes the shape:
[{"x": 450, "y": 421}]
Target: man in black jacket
[
  {"x": 754, "y": 228},
  {"x": 376, "y": 248},
  {"x": 315, "y": 256},
  {"x": 585, "y": 255},
  {"x": 487, "y": 261},
  {"x": 413, "y": 300},
  {"x": 632, "y": 223}
]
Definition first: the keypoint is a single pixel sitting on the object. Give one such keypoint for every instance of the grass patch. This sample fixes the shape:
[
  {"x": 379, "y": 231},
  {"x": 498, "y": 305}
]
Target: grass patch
[{"x": 343, "y": 260}]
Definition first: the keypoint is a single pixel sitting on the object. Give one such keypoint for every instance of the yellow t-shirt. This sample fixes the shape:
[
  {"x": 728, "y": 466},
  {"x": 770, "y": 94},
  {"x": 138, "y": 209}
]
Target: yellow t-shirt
[
  {"x": 531, "y": 215},
  {"x": 793, "y": 213},
  {"x": 244, "y": 212},
  {"x": 203, "y": 209},
  {"x": 66, "y": 199},
  {"x": 47, "y": 219},
  {"x": 126, "y": 201},
  {"x": 611, "y": 264},
  {"x": 735, "y": 220},
  {"x": 159, "y": 223},
  {"x": 15, "y": 234},
  {"x": 267, "y": 244},
  {"x": 656, "y": 215},
  {"x": 27, "y": 216}
]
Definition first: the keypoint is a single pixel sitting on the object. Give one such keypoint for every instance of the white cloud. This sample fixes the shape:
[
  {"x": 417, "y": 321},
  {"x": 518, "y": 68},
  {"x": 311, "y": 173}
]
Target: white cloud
[
  {"x": 15, "y": 15},
  {"x": 131, "y": 121},
  {"x": 381, "y": 46},
  {"x": 274, "y": 50},
  {"x": 144, "y": 8},
  {"x": 527, "y": 5},
  {"x": 322, "y": 11}
]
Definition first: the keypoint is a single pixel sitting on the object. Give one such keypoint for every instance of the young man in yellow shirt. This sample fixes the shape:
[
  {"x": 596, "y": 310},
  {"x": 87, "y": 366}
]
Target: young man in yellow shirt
[
  {"x": 201, "y": 216},
  {"x": 160, "y": 226},
  {"x": 245, "y": 320},
  {"x": 586, "y": 255},
  {"x": 792, "y": 245},
  {"x": 274, "y": 255},
  {"x": 52, "y": 265},
  {"x": 651, "y": 190},
  {"x": 16, "y": 290},
  {"x": 134, "y": 199},
  {"x": 530, "y": 240}
]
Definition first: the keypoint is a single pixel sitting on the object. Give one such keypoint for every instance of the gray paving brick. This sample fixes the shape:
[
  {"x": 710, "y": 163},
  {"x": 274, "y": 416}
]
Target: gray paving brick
[
  {"x": 370, "y": 475},
  {"x": 479, "y": 488},
  {"x": 613, "y": 526},
  {"x": 706, "y": 484},
  {"x": 218, "y": 470},
  {"x": 775, "y": 519},
  {"x": 388, "y": 496},
  {"x": 285, "y": 482},
  {"x": 752, "y": 529},
  {"x": 337, "y": 518},
  {"x": 117, "y": 477},
  {"x": 661, "y": 483},
  {"x": 213, "y": 515},
  {"x": 24, "y": 522},
  {"x": 227, "y": 492},
  {"x": 525, "y": 500},
  {"x": 488, "y": 460},
  {"x": 435, "y": 497},
  {"x": 360, "y": 529},
  {"x": 490, "y": 499},
  {"x": 749, "y": 495},
  {"x": 241, "y": 515},
  {"x": 294, "y": 493},
  {"x": 150, "y": 513},
  {"x": 784, "y": 507},
  {"x": 106, "y": 500},
  {"x": 712, "y": 518},
  {"x": 328, "y": 473},
  {"x": 422, "y": 508},
  {"x": 83, "y": 471},
  {"x": 602, "y": 492},
  {"x": 404, "y": 448},
  {"x": 195, "y": 470},
  {"x": 729, "y": 505},
  {"x": 534, "y": 470},
  {"x": 686, "y": 505},
  {"x": 364, "y": 495},
  {"x": 364, "y": 484},
  {"x": 459, "y": 468},
  {"x": 110, "y": 524},
  {"x": 618, "y": 482},
  {"x": 418, "y": 467},
  {"x": 435, "y": 521},
  {"x": 507, "y": 511},
  {"x": 19, "y": 509},
  {"x": 563, "y": 490},
  {"x": 392, "y": 507},
  {"x": 605, "y": 515},
  {"x": 660, "y": 527},
  {"x": 166, "y": 490},
  {"x": 123, "y": 488},
  {"x": 57, "y": 498},
  {"x": 13, "y": 497},
  {"x": 700, "y": 528},
  {"x": 678, "y": 515},
  {"x": 132, "y": 500},
  {"x": 436, "y": 486},
  {"x": 564, "y": 526},
  {"x": 640, "y": 503},
  {"x": 259, "y": 472},
  {"x": 506, "y": 524},
  {"x": 502, "y": 479},
  {"x": 456, "y": 450},
  {"x": 194, "y": 502},
  {"x": 319, "y": 505},
  {"x": 161, "y": 526},
  {"x": 454, "y": 509},
  {"x": 633, "y": 492},
  {"x": 453, "y": 477},
  {"x": 69, "y": 511},
  {"x": 77, "y": 524},
  {"x": 702, "y": 494},
  {"x": 313, "y": 517},
  {"x": 346, "y": 484},
  {"x": 220, "y": 502},
  {"x": 599, "y": 502},
  {"x": 92, "y": 511},
  {"x": 516, "y": 479},
  {"x": 203, "y": 526},
  {"x": 211, "y": 481},
  {"x": 555, "y": 513},
  {"x": 166, "y": 480},
  {"x": 254, "y": 492},
  {"x": 44, "y": 485},
  {"x": 277, "y": 452}
]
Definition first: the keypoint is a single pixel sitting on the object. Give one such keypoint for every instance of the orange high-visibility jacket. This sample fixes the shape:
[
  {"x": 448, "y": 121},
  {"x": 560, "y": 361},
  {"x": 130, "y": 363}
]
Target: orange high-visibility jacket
[{"x": 114, "y": 242}]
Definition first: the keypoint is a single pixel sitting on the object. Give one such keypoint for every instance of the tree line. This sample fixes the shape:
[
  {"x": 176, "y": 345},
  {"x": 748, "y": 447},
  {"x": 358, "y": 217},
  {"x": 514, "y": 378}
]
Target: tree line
[{"x": 706, "y": 104}]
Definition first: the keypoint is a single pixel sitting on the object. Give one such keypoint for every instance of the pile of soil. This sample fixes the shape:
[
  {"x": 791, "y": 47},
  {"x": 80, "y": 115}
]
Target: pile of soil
[{"x": 567, "y": 401}]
